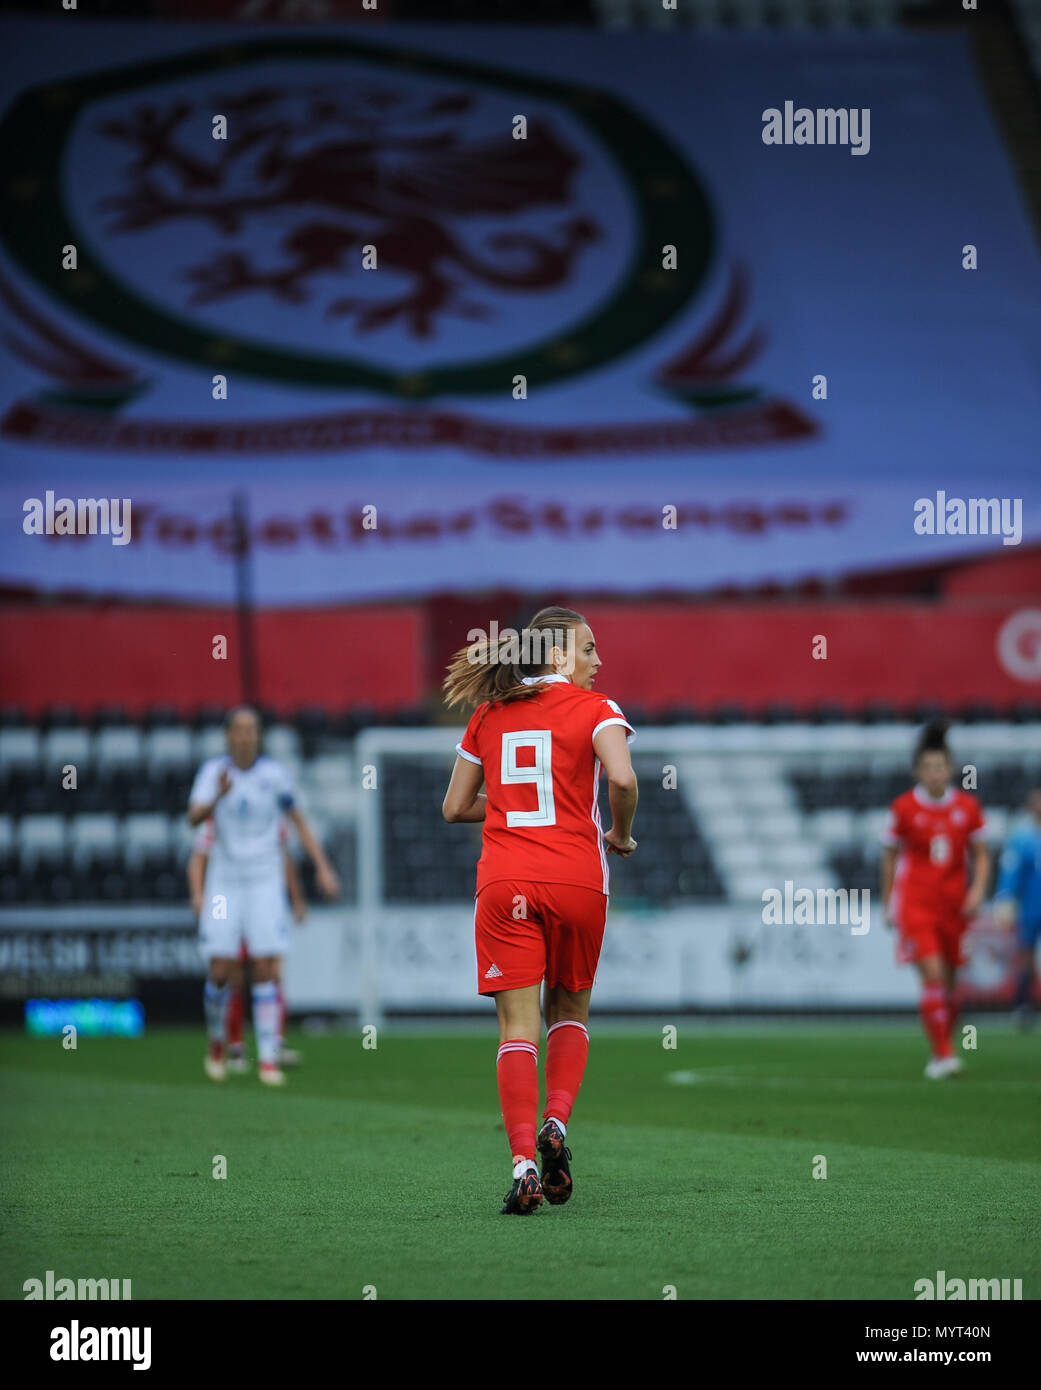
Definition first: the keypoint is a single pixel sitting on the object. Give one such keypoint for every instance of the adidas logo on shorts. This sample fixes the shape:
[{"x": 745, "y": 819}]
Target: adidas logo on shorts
[{"x": 493, "y": 972}]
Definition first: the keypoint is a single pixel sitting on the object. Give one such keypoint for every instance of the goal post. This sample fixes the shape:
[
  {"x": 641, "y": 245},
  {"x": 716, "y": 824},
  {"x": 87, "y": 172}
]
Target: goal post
[{"x": 371, "y": 747}]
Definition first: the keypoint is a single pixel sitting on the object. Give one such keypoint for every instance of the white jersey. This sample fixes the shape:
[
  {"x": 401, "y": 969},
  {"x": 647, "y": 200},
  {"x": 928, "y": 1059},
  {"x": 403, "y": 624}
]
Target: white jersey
[
  {"x": 205, "y": 836},
  {"x": 248, "y": 818}
]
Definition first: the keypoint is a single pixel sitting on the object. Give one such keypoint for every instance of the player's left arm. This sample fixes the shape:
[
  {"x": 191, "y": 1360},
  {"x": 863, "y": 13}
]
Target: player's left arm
[
  {"x": 980, "y": 874},
  {"x": 1009, "y": 892},
  {"x": 297, "y": 900},
  {"x": 325, "y": 874},
  {"x": 464, "y": 800}
]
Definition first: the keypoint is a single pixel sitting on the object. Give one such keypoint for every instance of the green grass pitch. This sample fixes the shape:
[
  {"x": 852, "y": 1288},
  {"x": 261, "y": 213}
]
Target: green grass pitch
[{"x": 386, "y": 1168}]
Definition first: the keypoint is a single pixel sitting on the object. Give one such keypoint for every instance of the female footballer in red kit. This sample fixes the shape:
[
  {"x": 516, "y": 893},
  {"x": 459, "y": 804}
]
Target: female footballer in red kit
[
  {"x": 932, "y": 829},
  {"x": 536, "y": 743}
]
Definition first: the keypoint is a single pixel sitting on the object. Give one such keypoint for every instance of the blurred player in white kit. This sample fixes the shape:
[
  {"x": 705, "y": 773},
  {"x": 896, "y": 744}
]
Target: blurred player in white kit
[{"x": 247, "y": 795}]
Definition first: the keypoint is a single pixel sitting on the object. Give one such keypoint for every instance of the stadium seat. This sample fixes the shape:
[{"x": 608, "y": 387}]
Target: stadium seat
[
  {"x": 93, "y": 839},
  {"x": 59, "y": 716},
  {"x": 327, "y": 770},
  {"x": 90, "y": 798},
  {"x": 146, "y": 840},
  {"x": 778, "y": 714},
  {"x": 111, "y": 717},
  {"x": 352, "y": 721},
  {"x": 209, "y": 742},
  {"x": 311, "y": 721},
  {"x": 416, "y": 717},
  {"x": 171, "y": 790},
  {"x": 19, "y": 748},
  {"x": 42, "y": 840},
  {"x": 748, "y": 886},
  {"x": 41, "y": 795},
  {"x": 877, "y": 712},
  {"x": 854, "y": 870},
  {"x": 678, "y": 714},
  {"x": 65, "y": 745},
  {"x": 767, "y": 798},
  {"x": 113, "y": 886},
  {"x": 729, "y": 714},
  {"x": 832, "y": 827},
  {"x": 118, "y": 746},
  {"x": 116, "y": 784},
  {"x": 744, "y": 858},
  {"x": 827, "y": 713},
  {"x": 142, "y": 796},
  {"x": 793, "y": 859},
  {"x": 181, "y": 837},
  {"x": 208, "y": 715},
  {"x": 778, "y": 826},
  {"x": 161, "y": 717},
  {"x": 977, "y": 714},
  {"x": 872, "y": 824},
  {"x": 282, "y": 742},
  {"x": 730, "y": 824},
  {"x": 168, "y": 746},
  {"x": 339, "y": 802}
]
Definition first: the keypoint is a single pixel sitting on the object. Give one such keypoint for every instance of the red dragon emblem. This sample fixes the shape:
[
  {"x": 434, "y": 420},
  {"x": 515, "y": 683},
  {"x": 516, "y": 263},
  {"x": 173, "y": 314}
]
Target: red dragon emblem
[{"x": 385, "y": 170}]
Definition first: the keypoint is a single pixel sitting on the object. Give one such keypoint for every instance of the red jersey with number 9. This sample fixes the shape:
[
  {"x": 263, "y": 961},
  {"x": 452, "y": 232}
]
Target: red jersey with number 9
[
  {"x": 541, "y": 776},
  {"x": 932, "y": 837}
]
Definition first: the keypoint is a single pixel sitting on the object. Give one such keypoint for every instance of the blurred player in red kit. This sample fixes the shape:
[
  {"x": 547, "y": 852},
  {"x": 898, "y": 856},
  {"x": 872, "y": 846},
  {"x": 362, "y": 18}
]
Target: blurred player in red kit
[
  {"x": 536, "y": 742},
  {"x": 932, "y": 829}
]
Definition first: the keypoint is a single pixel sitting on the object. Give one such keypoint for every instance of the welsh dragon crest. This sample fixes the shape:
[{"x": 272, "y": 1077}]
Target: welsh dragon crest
[{"x": 377, "y": 168}]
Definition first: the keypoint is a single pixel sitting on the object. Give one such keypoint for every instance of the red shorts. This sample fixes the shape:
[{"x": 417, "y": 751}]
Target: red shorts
[
  {"x": 928, "y": 931},
  {"x": 530, "y": 932}
]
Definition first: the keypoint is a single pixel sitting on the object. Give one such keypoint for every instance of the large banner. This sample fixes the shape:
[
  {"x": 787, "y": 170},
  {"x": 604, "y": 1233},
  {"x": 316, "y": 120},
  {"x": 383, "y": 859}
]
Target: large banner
[{"x": 462, "y": 306}]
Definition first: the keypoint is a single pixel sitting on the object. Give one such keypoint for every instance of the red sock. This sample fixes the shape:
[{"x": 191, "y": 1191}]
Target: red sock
[
  {"x": 952, "y": 1015},
  {"x": 932, "y": 1007},
  {"x": 235, "y": 1018},
  {"x": 517, "y": 1071},
  {"x": 567, "y": 1047}
]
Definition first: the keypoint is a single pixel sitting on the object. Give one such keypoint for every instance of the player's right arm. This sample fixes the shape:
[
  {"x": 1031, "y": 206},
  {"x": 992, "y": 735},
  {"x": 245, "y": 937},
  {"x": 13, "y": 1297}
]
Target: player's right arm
[
  {"x": 196, "y": 878},
  {"x": 198, "y": 862},
  {"x": 890, "y": 850},
  {"x": 209, "y": 786},
  {"x": 611, "y": 747},
  {"x": 464, "y": 800},
  {"x": 889, "y": 853}
]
